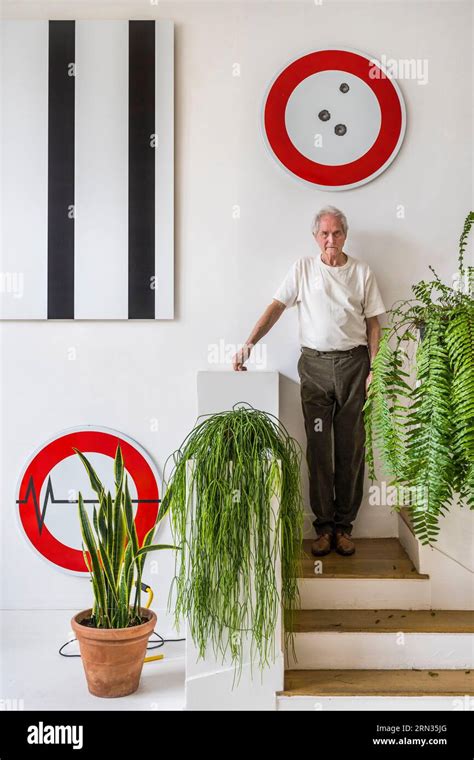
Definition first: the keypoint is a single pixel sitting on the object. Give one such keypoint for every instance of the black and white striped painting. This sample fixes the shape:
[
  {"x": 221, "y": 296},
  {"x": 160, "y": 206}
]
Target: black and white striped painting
[{"x": 87, "y": 170}]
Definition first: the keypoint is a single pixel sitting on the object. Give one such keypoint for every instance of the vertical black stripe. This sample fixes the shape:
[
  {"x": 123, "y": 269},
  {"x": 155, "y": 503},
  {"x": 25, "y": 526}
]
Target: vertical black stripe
[
  {"x": 61, "y": 170},
  {"x": 141, "y": 170}
]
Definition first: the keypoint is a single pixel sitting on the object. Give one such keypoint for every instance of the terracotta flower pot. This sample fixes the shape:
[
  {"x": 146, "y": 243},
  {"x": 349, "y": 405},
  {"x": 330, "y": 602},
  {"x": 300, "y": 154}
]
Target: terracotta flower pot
[{"x": 113, "y": 657}]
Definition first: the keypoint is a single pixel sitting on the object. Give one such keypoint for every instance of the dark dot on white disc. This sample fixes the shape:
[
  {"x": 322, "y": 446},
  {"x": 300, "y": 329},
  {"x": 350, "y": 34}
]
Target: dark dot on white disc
[
  {"x": 324, "y": 115},
  {"x": 340, "y": 129},
  {"x": 344, "y": 87}
]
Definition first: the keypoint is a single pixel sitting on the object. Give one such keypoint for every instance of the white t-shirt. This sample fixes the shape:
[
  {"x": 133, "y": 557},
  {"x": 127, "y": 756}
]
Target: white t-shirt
[{"x": 333, "y": 302}]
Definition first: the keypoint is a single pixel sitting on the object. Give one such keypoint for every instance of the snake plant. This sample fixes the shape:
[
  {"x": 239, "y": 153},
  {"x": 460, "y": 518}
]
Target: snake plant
[
  {"x": 419, "y": 412},
  {"x": 232, "y": 534},
  {"x": 111, "y": 550}
]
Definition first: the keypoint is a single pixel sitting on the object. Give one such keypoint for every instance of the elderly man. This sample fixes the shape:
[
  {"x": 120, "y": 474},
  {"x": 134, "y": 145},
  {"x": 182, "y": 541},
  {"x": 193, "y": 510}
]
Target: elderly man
[{"x": 338, "y": 303}]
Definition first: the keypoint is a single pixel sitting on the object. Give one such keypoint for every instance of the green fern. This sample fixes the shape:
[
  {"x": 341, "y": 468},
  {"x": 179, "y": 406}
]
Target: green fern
[
  {"x": 420, "y": 418},
  {"x": 460, "y": 346},
  {"x": 384, "y": 414},
  {"x": 429, "y": 463}
]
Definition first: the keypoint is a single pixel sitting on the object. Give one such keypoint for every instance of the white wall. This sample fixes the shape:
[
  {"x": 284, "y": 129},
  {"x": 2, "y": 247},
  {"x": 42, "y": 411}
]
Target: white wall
[{"x": 128, "y": 373}]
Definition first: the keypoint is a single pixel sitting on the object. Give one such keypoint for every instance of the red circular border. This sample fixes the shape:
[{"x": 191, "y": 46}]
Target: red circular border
[
  {"x": 55, "y": 451},
  {"x": 323, "y": 174}
]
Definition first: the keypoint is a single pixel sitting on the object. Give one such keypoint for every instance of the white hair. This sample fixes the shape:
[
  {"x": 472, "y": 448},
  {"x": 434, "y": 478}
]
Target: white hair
[{"x": 334, "y": 212}]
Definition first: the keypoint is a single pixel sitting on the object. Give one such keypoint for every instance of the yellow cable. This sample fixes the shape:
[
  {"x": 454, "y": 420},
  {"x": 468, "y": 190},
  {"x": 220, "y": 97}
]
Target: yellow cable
[
  {"x": 156, "y": 657},
  {"x": 148, "y": 602},
  {"x": 150, "y": 596}
]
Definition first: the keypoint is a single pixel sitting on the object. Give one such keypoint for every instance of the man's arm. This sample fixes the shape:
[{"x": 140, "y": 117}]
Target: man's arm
[
  {"x": 271, "y": 315},
  {"x": 373, "y": 340}
]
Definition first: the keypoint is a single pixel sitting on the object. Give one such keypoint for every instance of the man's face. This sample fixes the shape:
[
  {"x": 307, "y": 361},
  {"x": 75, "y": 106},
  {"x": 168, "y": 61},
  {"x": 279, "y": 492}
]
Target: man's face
[{"x": 330, "y": 236}]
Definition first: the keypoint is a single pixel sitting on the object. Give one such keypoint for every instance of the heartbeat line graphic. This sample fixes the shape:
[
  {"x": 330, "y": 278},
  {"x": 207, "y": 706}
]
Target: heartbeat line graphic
[{"x": 50, "y": 498}]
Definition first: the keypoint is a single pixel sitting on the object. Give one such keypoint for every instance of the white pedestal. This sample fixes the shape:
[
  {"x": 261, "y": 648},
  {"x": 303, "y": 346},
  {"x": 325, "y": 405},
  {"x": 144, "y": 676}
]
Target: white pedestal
[{"x": 209, "y": 681}]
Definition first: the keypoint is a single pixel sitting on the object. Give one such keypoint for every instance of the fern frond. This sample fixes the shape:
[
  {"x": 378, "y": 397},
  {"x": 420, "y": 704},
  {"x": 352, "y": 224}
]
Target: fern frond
[
  {"x": 430, "y": 470},
  {"x": 384, "y": 414},
  {"x": 460, "y": 347}
]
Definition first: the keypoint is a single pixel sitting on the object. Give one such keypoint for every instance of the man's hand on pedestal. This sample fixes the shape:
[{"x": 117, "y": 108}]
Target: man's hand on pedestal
[{"x": 241, "y": 357}]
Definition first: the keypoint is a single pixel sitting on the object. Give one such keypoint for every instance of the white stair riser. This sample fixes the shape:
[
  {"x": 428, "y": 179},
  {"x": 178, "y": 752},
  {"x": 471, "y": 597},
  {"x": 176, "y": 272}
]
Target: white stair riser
[
  {"x": 364, "y": 593},
  {"x": 451, "y": 578},
  {"x": 324, "y": 704},
  {"x": 411, "y": 544},
  {"x": 382, "y": 651}
]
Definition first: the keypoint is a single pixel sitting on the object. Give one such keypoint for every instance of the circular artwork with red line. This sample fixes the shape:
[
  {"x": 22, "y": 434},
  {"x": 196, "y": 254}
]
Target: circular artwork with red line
[
  {"x": 334, "y": 118},
  {"x": 47, "y": 493}
]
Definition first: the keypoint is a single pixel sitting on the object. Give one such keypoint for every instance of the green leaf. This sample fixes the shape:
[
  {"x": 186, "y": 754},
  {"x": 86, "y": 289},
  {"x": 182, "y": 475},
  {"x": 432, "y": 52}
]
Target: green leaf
[
  {"x": 93, "y": 477},
  {"x": 154, "y": 547},
  {"x": 110, "y": 525},
  {"x": 130, "y": 523},
  {"x": 118, "y": 467},
  {"x": 119, "y": 534},
  {"x": 102, "y": 520},
  {"x": 91, "y": 546},
  {"x": 108, "y": 570}
]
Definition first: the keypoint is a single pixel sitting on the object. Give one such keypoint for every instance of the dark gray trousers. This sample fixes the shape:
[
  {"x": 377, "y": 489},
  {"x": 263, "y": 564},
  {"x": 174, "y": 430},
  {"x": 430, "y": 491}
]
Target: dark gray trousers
[{"x": 332, "y": 398}]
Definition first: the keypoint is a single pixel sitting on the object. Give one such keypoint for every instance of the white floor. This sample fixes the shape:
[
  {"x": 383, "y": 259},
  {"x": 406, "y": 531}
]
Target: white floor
[{"x": 33, "y": 676}]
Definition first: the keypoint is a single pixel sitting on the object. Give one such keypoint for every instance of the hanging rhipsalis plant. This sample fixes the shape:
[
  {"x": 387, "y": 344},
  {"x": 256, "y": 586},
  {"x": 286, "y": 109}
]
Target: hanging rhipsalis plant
[
  {"x": 232, "y": 534},
  {"x": 419, "y": 412}
]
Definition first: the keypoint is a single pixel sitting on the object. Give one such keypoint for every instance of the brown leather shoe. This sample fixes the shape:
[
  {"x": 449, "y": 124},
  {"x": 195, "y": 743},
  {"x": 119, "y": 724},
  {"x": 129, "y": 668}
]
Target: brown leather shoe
[
  {"x": 344, "y": 544},
  {"x": 322, "y": 545}
]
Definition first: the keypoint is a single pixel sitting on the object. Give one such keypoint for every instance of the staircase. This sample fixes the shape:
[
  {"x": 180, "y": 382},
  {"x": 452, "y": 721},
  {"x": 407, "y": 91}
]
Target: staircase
[{"x": 366, "y": 638}]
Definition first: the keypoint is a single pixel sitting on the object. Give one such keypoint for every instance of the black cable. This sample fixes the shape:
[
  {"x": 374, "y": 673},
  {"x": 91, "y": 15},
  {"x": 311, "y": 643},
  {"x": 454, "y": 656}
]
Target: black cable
[
  {"x": 157, "y": 645},
  {"x": 161, "y": 642},
  {"x": 65, "y": 645}
]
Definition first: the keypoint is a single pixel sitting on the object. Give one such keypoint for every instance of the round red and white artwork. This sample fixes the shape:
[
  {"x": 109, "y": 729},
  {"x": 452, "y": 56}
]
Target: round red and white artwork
[
  {"x": 47, "y": 493},
  {"x": 334, "y": 118}
]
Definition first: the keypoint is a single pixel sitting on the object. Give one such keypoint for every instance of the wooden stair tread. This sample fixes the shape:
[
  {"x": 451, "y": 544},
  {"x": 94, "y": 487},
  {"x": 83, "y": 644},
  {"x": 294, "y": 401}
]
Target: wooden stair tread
[
  {"x": 384, "y": 621},
  {"x": 373, "y": 558},
  {"x": 380, "y": 683}
]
